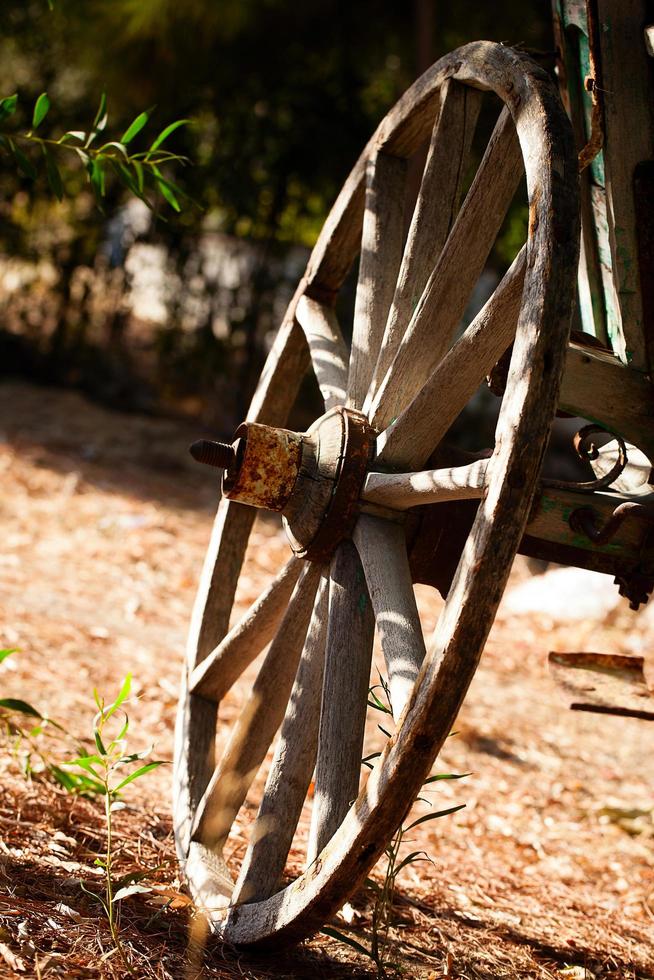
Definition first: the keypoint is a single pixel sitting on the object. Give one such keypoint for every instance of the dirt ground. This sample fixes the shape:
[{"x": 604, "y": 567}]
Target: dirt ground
[{"x": 548, "y": 871}]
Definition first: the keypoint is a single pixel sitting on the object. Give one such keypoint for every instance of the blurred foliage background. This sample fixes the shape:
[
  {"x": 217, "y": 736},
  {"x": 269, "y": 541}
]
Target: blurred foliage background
[{"x": 172, "y": 312}]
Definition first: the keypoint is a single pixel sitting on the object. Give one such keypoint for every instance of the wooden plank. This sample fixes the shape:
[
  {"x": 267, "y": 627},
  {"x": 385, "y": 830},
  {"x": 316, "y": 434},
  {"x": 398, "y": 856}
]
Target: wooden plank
[
  {"x": 260, "y": 718},
  {"x": 382, "y": 548},
  {"x": 410, "y": 440},
  {"x": 214, "y": 676},
  {"x": 379, "y": 263},
  {"x": 448, "y": 289},
  {"x": 291, "y": 769},
  {"x": 598, "y": 387},
  {"x": 604, "y": 683},
  {"x": 344, "y": 698},
  {"x": 329, "y": 353},
  {"x": 400, "y": 491},
  {"x": 433, "y": 216},
  {"x": 629, "y": 130}
]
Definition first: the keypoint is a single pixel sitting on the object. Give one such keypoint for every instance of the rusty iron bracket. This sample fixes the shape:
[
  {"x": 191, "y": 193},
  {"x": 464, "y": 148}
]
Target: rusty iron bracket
[
  {"x": 341, "y": 514},
  {"x": 587, "y": 450},
  {"x": 635, "y": 584}
]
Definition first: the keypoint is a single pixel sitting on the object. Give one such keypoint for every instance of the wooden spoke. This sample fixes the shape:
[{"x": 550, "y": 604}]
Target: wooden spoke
[
  {"x": 381, "y": 254},
  {"x": 258, "y": 721},
  {"x": 382, "y": 549},
  {"x": 411, "y": 439},
  {"x": 448, "y": 289},
  {"x": 434, "y": 213},
  {"x": 399, "y": 491},
  {"x": 344, "y": 697},
  {"x": 292, "y": 767},
  {"x": 214, "y": 676},
  {"x": 195, "y": 730},
  {"x": 329, "y": 353}
]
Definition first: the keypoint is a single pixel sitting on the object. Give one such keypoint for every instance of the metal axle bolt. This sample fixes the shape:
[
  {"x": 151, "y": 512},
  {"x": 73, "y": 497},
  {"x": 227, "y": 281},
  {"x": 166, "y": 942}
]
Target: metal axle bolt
[{"x": 218, "y": 454}]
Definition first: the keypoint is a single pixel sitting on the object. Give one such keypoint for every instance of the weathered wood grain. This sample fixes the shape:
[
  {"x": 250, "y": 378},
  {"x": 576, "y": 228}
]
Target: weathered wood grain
[
  {"x": 434, "y": 213},
  {"x": 379, "y": 263},
  {"x": 329, "y": 353},
  {"x": 449, "y": 286},
  {"x": 399, "y": 491},
  {"x": 214, "y": 676},
  {"x": 258, "y": 721},
  {"x": 382, "y": 548},
  {"x": 410, "y": 440},
  {"x": 626, "y": 90},
  {"x": 598, "y": 387},
  {"x": 344, "y": 697},
  {"x": 291, "y": 769}
]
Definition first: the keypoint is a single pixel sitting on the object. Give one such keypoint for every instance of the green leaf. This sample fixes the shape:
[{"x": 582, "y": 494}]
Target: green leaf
[
  {"x": 137, "y": 775},
  {"x": 15, "y": 704},
  {"x": 135, "y": 127},
  {"x": 412, "y": 858},
  {"x": 433, "y": 816},
  {"x": 87, "y": 762},
  {"x": 130, "y": 890},
  {"x": 8, "y": 107},
  {"x": 72, "y": 134},
  {"x": 376, "y": 703},
  {"x": 134, "y": 876},
  {"x": 25, "y": 165},
  {"x": 95, "y": 170},
  {"x": 100, "y": 120},
  {"x": 165, "y": 133},
  {"x": 65, "y": 779},
  {"x": 99, "y": 743},
  {"x": 122, "y": 695},
  {"x": 446, "y": 775},
  {"x": 82, "y": 760},
  {"x": 54, "y": 177},
  {"x": 41, "y": 108},
  {"x": 167, "y": 189},
  {"x": 140, "y": 177},
  {"x": 127, "y": 178},
  {"x": 342, "y": 938},
  {"x": 116, "y": 146},
  {"x": 76, "y": 782},
  {"x": 7, "y": 653}
]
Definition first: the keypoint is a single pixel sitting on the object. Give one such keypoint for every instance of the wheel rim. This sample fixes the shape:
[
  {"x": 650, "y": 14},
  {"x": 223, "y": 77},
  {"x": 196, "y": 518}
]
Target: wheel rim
[{"x": 548, "y": 264}]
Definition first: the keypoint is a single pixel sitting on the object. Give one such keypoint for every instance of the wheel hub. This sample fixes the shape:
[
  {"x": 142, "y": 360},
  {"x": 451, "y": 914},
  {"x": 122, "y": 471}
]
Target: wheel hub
[{"x": 313, "y": 478}]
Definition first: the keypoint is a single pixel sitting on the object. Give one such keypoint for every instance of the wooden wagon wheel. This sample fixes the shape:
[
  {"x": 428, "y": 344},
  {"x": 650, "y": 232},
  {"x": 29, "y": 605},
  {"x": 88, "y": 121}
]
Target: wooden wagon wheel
[{"x": 406, "y": 380}]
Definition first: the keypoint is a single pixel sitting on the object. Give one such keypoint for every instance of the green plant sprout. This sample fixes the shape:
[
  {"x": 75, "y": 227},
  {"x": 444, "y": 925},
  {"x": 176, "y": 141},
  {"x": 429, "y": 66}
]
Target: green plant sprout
[
  {"x": 140, "y": 172},
  {"x": 102, "y": 773},
  {"x": 384, "y": 894},
  {"x": 105, "y": 771}
]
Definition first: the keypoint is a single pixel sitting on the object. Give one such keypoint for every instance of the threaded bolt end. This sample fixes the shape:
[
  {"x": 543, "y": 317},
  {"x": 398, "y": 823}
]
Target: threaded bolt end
[{"x": 218, "y": 454}]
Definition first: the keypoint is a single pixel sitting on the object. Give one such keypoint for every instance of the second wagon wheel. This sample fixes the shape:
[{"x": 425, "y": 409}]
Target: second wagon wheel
[{"x": 389, "y": 401}]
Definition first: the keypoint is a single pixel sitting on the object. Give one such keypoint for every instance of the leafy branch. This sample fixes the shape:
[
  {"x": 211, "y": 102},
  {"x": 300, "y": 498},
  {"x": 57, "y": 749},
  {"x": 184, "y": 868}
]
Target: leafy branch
[{"x": 139, "y": 172}]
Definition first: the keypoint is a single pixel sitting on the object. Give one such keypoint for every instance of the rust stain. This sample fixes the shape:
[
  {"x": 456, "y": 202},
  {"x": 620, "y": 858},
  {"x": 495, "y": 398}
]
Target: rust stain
[{"x": 266, "y": 466}]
